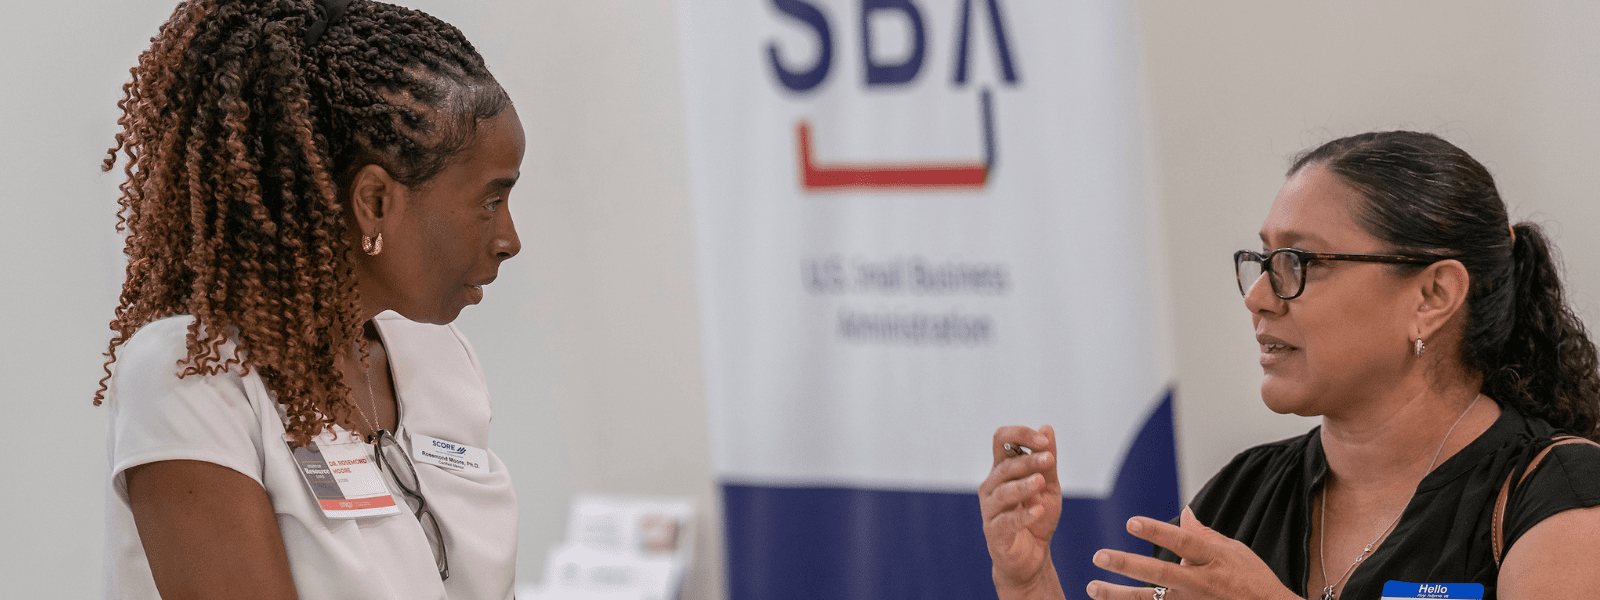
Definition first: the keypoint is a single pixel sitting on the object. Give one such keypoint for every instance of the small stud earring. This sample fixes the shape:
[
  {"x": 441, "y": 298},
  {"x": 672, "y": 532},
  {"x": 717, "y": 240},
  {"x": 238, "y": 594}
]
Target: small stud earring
[
  {"x": 372, "y": 246},
  {"x": 1420, "y": 346}
]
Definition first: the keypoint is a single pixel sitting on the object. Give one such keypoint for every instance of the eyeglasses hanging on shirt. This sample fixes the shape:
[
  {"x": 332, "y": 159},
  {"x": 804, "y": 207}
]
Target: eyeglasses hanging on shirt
[{"x": 392, "y": 457}]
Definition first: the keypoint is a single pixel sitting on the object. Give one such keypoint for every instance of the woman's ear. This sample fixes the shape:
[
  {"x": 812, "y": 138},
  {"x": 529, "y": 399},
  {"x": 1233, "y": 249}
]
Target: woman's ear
[
  {"x": 1444, "y": 287},
  {"x": 372, "y": 195}
]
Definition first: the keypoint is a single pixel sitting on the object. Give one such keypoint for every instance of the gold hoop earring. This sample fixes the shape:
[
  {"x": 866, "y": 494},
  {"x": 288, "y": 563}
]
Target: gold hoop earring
[
  {"x": 372, "y": 246},
  {"x": 1420, "y": 346}
]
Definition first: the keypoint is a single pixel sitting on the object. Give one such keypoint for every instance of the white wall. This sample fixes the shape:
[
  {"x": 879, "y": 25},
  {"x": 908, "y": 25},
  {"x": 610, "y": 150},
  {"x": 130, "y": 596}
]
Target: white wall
[
  {"x": 590, "y": 337},
  {"x": 59, "y": 276},
  {"x": 1240, "y": 87}
]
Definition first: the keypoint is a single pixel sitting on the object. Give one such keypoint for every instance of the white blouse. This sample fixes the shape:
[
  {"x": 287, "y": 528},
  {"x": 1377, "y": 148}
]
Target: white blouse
[{"x": 236, "y": 422}]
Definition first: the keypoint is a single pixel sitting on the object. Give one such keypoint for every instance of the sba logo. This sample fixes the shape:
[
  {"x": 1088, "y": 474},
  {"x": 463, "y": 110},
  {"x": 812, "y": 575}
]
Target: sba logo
[{"x": 944, "y": 174}]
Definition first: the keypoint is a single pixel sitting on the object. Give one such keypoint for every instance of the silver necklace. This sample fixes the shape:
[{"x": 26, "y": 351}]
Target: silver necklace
[
  {"x": 366, "y": 373},
  {"x": 1327, "y": 592}
]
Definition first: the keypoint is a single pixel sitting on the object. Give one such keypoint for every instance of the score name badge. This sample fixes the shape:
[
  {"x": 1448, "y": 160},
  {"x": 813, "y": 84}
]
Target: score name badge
[
  {"x": 447, "y": 454},
  {"x": 1401, "y": 590},
  {"x": 343, "y": 476}
]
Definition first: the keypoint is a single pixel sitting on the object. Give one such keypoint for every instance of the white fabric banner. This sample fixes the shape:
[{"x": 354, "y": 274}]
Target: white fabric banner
[{"x": 917, "y": 221}]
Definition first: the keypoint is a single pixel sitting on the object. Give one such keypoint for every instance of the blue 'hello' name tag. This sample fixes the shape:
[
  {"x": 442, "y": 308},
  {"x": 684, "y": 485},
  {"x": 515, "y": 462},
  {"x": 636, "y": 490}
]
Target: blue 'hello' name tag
[{"x": 1400, "y": 590}]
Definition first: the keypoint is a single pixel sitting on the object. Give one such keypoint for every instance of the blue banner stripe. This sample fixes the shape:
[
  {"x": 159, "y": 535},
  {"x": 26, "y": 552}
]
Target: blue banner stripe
[{"x": 799, "y": 543}]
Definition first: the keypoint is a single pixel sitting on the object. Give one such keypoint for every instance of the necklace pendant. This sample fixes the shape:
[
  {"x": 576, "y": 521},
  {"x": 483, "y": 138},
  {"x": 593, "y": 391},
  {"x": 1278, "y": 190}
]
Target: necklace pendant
[{"x": 1327, "y": 593}]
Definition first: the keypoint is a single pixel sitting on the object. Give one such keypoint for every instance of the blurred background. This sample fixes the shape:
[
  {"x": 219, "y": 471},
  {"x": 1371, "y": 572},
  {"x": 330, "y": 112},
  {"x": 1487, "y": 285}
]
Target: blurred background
[{"x": 591, "y": 338}]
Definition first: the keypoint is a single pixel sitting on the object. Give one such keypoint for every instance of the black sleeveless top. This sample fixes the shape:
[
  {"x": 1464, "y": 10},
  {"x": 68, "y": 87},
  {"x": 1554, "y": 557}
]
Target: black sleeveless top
[{"x": 1263, "y": 498}]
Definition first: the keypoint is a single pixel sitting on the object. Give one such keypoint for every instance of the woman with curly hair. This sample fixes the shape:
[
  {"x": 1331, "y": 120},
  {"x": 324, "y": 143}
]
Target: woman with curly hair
[
  {"x": 1392, "y": 297},
  {"x": 315, "y": 189}
]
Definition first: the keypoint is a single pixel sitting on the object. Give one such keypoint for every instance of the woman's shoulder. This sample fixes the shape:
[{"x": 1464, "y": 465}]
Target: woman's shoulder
[
  {"x": 1261, "y": 491},
  {"x": 1534, "y": 441},
  {"x": 1561, "y": 469},
  {"x": 155, "y": 349},
  {"x": 170, "y": 334},
  {"x": 160, "y": 409},
  {"x": 1566, "y": 478},
  {"x": 1275, "y": 458},
  {"x": 157, "y": 355},
  {"x": 1286, "y": 464},
  {"x": 161, "y": 335}
]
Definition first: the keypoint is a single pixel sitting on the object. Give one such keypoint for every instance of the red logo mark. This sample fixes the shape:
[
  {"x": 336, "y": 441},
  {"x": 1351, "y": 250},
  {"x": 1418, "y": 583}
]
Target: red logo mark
[{"x": 842, "y": 176}]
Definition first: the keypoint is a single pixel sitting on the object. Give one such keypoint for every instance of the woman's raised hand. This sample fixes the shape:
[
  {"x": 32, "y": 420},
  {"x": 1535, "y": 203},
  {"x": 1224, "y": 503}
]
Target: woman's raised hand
[
  {"x": 1021, "y": 501},
  {"x": 1214, "y": 567}
]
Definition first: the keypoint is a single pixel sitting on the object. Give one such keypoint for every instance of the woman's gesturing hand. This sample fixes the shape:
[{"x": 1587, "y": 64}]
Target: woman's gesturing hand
[
  {"x": 1021, "y": 501},
  {"x": 1214, "y": 567}
]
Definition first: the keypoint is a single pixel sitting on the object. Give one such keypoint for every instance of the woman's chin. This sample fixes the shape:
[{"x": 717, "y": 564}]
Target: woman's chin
[
  {"x": 436, "y": 316},
  {"x": 1285, "y": 397}
]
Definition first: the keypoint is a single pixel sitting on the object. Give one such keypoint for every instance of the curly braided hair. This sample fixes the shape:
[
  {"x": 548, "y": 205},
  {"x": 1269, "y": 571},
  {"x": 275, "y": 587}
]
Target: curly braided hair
[{"x": 239, "y": 140}]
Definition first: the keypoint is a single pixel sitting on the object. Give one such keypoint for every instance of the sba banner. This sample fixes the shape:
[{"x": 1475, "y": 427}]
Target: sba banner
[{"x": 918, "y": 220}]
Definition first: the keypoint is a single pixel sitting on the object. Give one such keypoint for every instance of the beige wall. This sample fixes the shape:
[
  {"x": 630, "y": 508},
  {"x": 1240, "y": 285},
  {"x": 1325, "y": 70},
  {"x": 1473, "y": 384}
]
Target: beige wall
[
  {"x": 1240, "y": 87},
  {"x": 590, "y": 338}
]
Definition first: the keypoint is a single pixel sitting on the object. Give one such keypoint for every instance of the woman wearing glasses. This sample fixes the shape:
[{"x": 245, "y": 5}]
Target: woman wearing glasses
[
  {"x": 1431, "y": 335},
  {"x": 315, "y": 190}
]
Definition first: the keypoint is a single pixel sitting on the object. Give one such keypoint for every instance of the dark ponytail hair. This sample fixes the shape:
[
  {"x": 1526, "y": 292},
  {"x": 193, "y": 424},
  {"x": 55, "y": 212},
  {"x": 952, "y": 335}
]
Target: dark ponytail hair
[{"x": 1426, "y": 197}]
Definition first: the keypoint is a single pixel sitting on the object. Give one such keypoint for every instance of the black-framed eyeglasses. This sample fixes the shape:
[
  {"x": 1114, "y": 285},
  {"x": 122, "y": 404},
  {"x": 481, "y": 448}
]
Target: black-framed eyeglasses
[
  {"x": 392, "y": 457},
  {"x": 1286, "y": 267}
]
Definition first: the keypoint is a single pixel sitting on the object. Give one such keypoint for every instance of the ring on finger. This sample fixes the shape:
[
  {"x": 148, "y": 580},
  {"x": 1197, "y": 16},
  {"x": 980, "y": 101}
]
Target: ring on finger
[{"x": 1160, "y": 594}]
